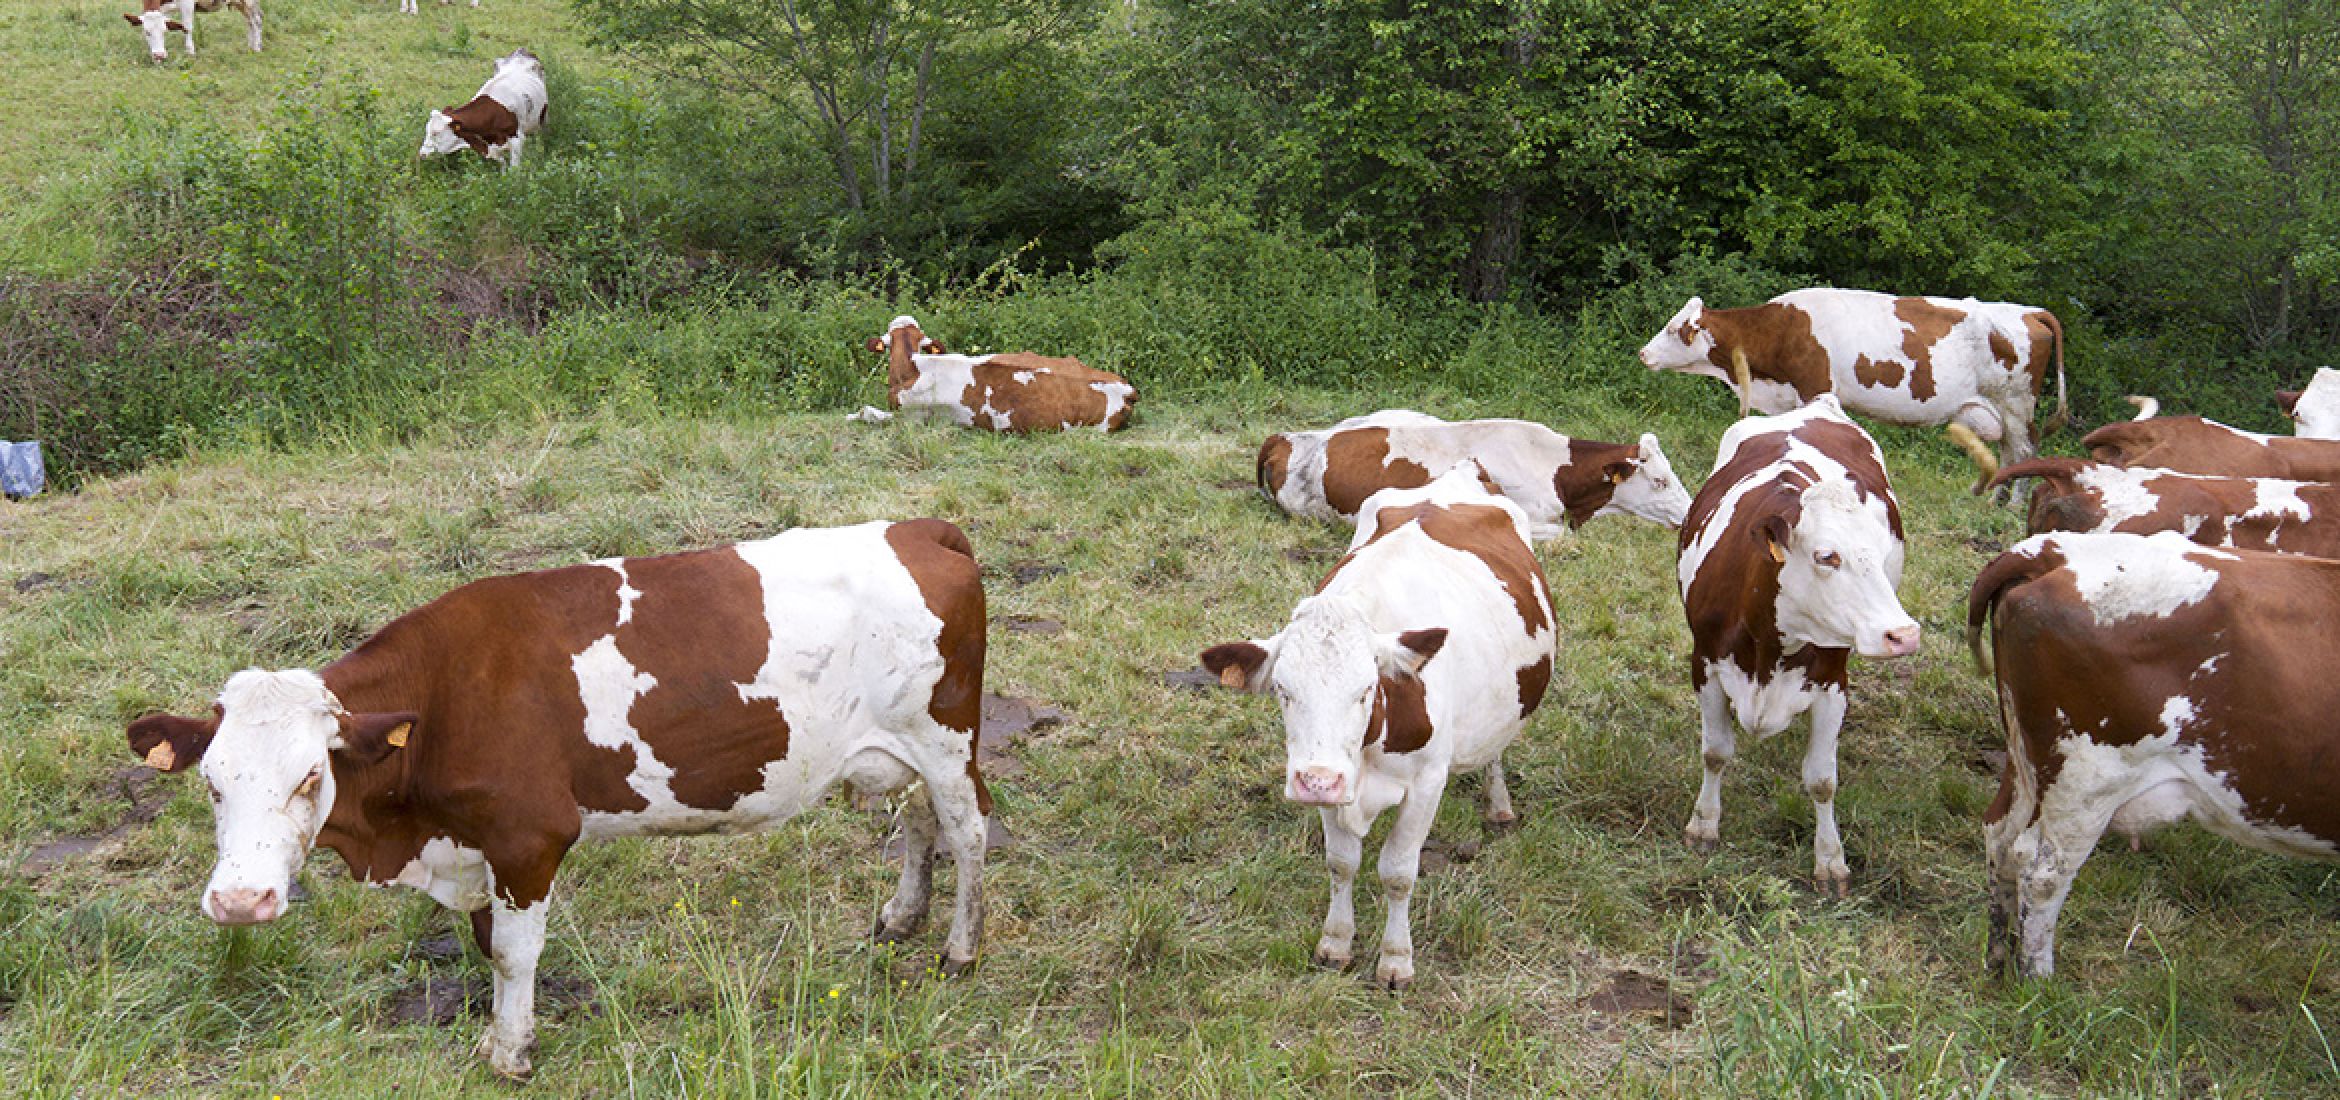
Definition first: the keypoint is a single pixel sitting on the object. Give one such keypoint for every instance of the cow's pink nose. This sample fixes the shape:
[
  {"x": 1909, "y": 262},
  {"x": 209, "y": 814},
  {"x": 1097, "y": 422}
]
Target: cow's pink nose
[
  {"x": 1316, "y": 787},
  {"x": 1901, "y": 641},
  {"x": 246, "y": 906}
]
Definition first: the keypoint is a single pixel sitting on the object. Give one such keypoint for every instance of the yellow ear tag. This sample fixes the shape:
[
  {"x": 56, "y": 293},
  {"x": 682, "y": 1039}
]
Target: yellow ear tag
[
  {"x": 161, "y": 756},
  {"x": 1779, "y": 553},
  {"x": 1232, "y": 676},
  {"x": 397, "y": 737},
  {"x": 1620, "y": 478}
]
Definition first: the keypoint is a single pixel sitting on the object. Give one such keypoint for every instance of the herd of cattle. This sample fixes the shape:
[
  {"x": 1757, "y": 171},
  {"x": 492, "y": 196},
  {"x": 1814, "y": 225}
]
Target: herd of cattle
[{"x": 2147, "y": 643}]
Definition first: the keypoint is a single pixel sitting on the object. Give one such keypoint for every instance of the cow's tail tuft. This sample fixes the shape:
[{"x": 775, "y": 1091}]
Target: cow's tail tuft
[
  {"x": 2147, "y": 407},
  {"x": 2023, "y": 562},
  {"x": 1745, "y": 377},
  {"x": 1986, "y": 464}
]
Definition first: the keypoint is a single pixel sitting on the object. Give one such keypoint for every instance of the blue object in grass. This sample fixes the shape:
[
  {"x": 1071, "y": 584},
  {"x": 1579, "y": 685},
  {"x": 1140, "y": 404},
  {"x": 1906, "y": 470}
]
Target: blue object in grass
[{"x": 21, "y": 474}]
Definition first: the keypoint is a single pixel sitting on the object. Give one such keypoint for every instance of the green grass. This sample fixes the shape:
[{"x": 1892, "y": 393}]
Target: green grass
[{"x": 1152, "y": 923}]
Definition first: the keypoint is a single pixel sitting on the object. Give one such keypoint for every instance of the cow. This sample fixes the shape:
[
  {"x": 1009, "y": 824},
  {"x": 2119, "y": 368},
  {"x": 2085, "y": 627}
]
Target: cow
[
  {"x": 408, "y": 7},
  {"x": 2192, "y": 445},
  {"x": 495, "y": 123},
  {"x": 2254, "y": 513},
  {"x": 2144, "y": 680},
  {"x": 153, "y": 20},
  {"x": 1788, "y": 565},
  {"x": 1014, "y": 392},
  {"x": 466, "y": 746},
  {"x": 1556, "y": 480},
  {"x": 1922, "y": 361},
  {"x": 2314, "y": 411},
  {"x": 1421, "y": 654}
]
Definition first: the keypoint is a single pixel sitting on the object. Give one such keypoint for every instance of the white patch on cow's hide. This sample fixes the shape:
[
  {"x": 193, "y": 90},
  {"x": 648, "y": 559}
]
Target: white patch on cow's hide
[
  {"x": 627, "y": 593},
  {"x": 2122, "y": 492},
  {"x": 1117, "y": 396},
  {"x": 454, "y": 876},
  {"x": 608, "y": 684},
  {"x": 1023, "y": 377},
  {"x": 2176, "y": 712},
  {"x": 2278, "y": 499},
  {"x": 2130, "y": 576},
  {"x": 2161, "y": 780},
  {"x": 1764, "y": 708}
]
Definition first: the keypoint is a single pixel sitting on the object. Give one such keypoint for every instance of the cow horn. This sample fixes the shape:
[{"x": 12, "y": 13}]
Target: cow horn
[
  {"x": 1984, "y": 461},
  {"x": 1745, "y": 377},
  {"x": 2147, "y": 407}
]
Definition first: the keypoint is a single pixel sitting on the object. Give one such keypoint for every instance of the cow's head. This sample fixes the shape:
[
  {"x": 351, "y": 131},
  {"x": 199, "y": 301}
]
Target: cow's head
[
  {"x": 1646, "y": 486},
  {"x": 905, "y": 327},
  {"x": 443, "y": 134},
  {"x": 1325, "y": 670},
  {"x": 153, "y": 25},
  {"x": 1684, "y": 344},
  {"x": 1839, "y": 564},
  {"x": 2315, "y": 411},
  {"x": 268, "y": 753}
]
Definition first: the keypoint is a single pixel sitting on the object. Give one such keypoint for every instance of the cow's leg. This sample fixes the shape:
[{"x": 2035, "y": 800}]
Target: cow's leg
[
  {"x": 187, "y": 23},
  {"x": 1400, "y": 865},
  {"x": 906, "y": 911},
  {"x": 1499, "y": 812},
  {"x": 1828, "y": 870},
  {"x": 2070, "y": 823},
  {"x": 516, "y": 939},
  {"x": 252, "y": 24},
  {"x": 959, "y": 819},
  {"x": 1717, "y": 744},
  {"x": 1343, "y": 852},
  {"x": 2003, "y": 862},
  {"x": 512, "y": 150}
]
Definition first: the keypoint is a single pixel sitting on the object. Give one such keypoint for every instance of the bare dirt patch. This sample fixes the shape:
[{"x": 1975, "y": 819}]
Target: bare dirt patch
[
  {"x": 1192, "y": 679},
  {"x": 442, "y": 999},
  {"x": 1025, "y": 624},
  {"x": 1631, "y": 993}
]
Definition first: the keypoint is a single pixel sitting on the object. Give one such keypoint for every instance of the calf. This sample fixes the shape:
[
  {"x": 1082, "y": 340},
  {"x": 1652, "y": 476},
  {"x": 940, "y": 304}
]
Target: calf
[
  {"x": 2255, "y": 513},
  {"x": 1017, "y": 392},
  {"x": 154, "y": 22},
  {"x": 466, "y": 746},
  {"x": 2314, "y": 411},
  {"x": 1923, "y": 361},
  {"x": 496, "y": 122},
  {"x": 2192, "y": 445},
  {"x": 1788, "y": 564},
  {"x": 2144, "y": 680},
  {"x": 1554, "y": 479},
  {"x": 1421, "y": 654}
]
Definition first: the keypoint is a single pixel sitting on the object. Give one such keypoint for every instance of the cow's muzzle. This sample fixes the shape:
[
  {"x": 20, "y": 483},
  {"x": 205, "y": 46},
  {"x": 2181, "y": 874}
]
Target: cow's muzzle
[
  {"x": 1901, "y": 641},
  {"x": 1318, "y": 787},
  {"x": 244, "y": 905}
]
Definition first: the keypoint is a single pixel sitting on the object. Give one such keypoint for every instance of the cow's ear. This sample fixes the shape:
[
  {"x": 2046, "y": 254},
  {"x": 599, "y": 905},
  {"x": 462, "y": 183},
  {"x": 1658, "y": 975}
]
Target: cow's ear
[
  {"x": 170, "y": 743},
  {"x": 175, "y": 25},
  {"x": 2289, "y": 399},
  {"x": 1243, "y": 666},
  {"x": 367, "y": 738},
  {"x": 1619, "y": 473},
  {"x": 877, "y": 344},
  {"x": 130, "y": 19},
  {"x": 1403, "y": 655},
  {"x": 928, "y": 346},
  {"x": 1774, "y": 530}
]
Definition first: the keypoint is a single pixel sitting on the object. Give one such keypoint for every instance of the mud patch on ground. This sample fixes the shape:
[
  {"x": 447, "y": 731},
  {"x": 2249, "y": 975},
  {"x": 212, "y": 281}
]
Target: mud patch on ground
[
  {"x": 131, "y": 783},
  {"x": 443, "y": 999},
  {"x": 1631, "y": 993},
  {"x": 1006, "y": 720},
  {"x": 1191, "y": 679},
  {"x": 1306, "y": 554},
  {"x": 1032, "y": 572},
  {"x": 1235, "y": 484},
  {"x": 34, "y": 582},
  {"x": 1025, "y": 624},
  {"x": 1438, "y": 854}
]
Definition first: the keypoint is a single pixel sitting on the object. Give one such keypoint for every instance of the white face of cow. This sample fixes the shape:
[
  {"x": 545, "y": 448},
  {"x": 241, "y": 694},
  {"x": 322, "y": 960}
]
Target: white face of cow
[
  {"x": 1683, "y": 344},
  {"x": 439, "y": 136},
  {"x": 1651, "y": 491},
  {"x": 2316, "y": 415},
  {"x": 925, "y": 346},
  {"x": 152, "y": 26},
  {"x": 1324, "y": 670},
  {"x": 271, "y": 788},
  {"x": 1841, "y": 565}
]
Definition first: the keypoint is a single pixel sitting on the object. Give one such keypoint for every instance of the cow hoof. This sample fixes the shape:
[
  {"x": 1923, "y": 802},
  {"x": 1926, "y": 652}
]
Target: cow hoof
[
  {"x": 884, "y": 931},
  {"x": 952, "y": 968},
  {"x": 1703, "y": 841},
  {"x": 509, "y": 1062},
  {"x": 1502, "y": 821},
  {"x": 1333, "y": 960},
  {"x": 1835, "y": 881},
  {"x": 1395, "y": 974}
]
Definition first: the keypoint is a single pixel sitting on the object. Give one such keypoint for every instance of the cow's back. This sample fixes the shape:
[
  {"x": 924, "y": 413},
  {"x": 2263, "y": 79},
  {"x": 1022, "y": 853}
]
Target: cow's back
[{"x": 1024, "y": 392}]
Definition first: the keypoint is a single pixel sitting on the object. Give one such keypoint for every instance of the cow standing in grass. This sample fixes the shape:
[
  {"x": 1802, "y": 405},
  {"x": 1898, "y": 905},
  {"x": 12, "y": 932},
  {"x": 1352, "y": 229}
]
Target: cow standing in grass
[
  {"x": 1788, "y": 565},
  {"x": 154, "y": 22},
  {"x": 496, "y": 123},
  {"x": 1420, "y": 655},
  {"x": 467, "y": 745}
]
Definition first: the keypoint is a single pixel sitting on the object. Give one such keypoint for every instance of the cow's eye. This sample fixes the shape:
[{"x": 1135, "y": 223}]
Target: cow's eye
[
  {"x": 215, "y": 795},
  {"x": 308, "y": 786},
  {"x": 1829, "y": 560}
]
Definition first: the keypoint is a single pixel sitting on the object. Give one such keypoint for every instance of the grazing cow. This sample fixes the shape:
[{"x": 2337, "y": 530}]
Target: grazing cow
[
  {"x": 1016, "y": 392},
  {"x": 2192, "y": 445},
  {"x": 2314, "y": 411},
  {"x": 153, "y": 21},
  {"x": 1421, "y": 654},
  {"x": 467, "y": 745},
  {"x": 1788, "y": 565},
  {"x": 2254, "y": 513},
  {"x": 1920, "y": 361},
  {"x": 496, "y": 123},
  {"x": 2144, "y": 680},
  {"x": 1328, "y": 474}
]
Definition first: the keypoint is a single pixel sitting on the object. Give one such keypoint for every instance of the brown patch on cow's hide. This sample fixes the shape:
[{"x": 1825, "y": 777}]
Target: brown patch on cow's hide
[
  {"x": 1275, "y": 464},
  {"x": 1583, "y": 483},
  {"x": 942, "y": 561},
  {"x": 2003, "y": 350},
  {"x": 2192, "y": 445},
  {"x": 1357, "y": 464},
  {"x": 483, "y": 123},
  {"x": 1059, "y": 394},
  {"x": 1401, "y": 715},
  {"x": 901, "y": 366},
  {"x": 699, "y": 631},
  {"x": 1533, "y": 679},
  {"x": 1870, "y": 372},
  {"x": 1779, "y": 344},
  {"x": 1928, "y": 324},
  {"x": 2047, "y": 342}
]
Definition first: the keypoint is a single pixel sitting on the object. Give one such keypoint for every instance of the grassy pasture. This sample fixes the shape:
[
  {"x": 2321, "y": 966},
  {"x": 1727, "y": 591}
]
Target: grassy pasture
[{"x": 1152, "y": 920}]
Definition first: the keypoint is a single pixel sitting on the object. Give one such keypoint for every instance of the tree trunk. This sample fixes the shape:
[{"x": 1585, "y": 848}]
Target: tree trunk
[{"x": 1486, "y": 274}]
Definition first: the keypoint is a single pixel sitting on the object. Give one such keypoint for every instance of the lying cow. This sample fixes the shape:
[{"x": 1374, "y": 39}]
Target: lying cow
[
  {"x": 1422, "y": 654},
  {"x": 154, "y": 22},
  {"x": 1925, "y": 361},
  {"x": 1554, "y": 479},
  {"x": 467, "y": 745},
  {"x": 1788, "y": 565},
  {"x": 496, "y": 122},
  {"x": 2314, "y": 411},
  {"x": 2254, "y": 513},
  {"x": 2192, "y": 445},
  {"x": 2145, "y": 680},
  {"x": 1015, "y": 392}
]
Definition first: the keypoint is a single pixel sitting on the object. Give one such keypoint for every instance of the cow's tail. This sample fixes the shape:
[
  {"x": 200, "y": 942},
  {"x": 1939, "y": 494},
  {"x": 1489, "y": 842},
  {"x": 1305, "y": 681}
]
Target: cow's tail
[
  {"x": 1746, "y": 378},
  {"x": 2063, "y": 413},
  {"x": 2147, "y": 407},
  {"x": 2058, "y": 469},
  {"x": 1276, "y": 448},
  {"x": 2024, "y": 562},
  {"x": 1986, "y": 464}
]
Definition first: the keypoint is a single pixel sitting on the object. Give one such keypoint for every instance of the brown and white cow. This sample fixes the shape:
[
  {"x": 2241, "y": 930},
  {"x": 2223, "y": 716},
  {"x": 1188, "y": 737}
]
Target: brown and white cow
[
  {"x": 1328, "y": 474},
  {"x": 408, "y": 7},
  {"x": 2192, "y": 445},
  {"x": 1788, "y": 565},
  {"x": 1924, "y": 361},
  {"x": 467, "y": 745},
  {"x": 154, "y": 23},
  {"x": 2145, "y": 680},
  {"x": 496, "y": 122},
  {"x": 1014, "y": 392},
  {"x": 2254, "y": 513},
  {"x": 1421, "y": 654},
  {"x": 2314, "y": 411}
]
